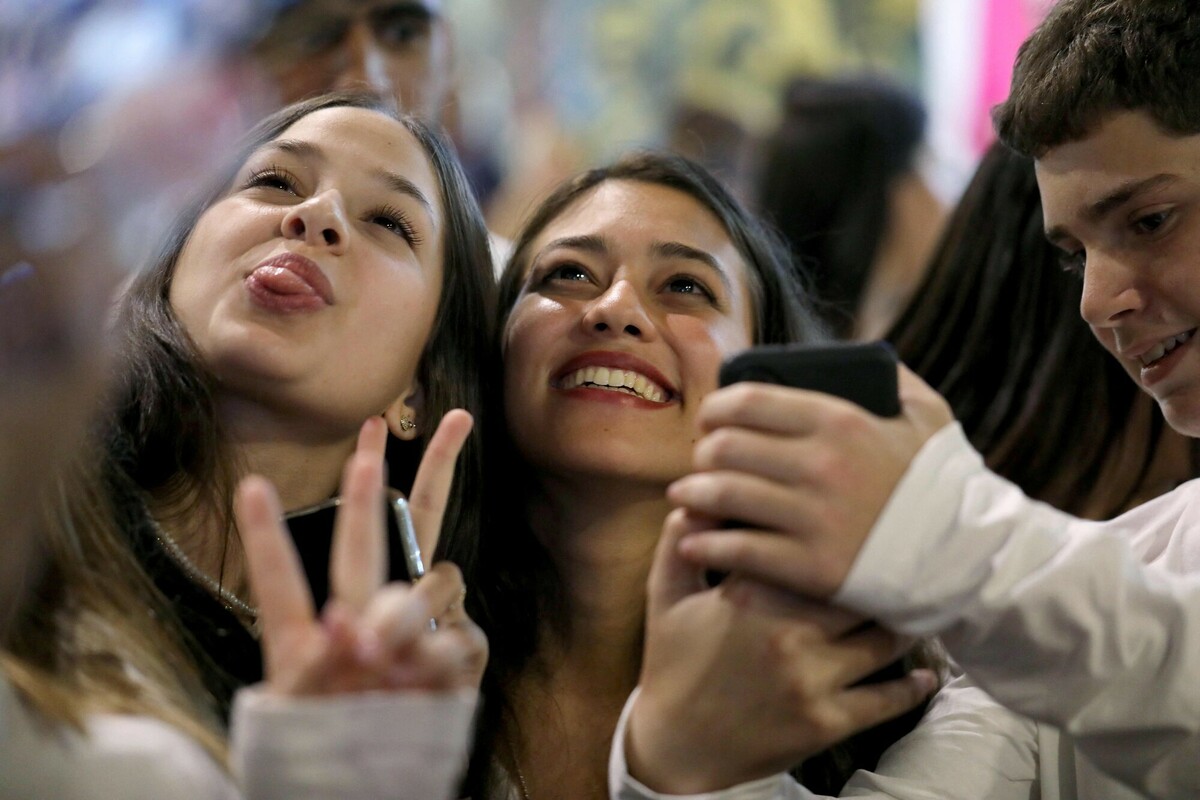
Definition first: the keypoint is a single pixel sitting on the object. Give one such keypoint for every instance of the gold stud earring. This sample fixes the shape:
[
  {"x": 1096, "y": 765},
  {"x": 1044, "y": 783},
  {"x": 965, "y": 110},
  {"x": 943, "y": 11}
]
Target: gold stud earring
[{"x": 407, "y": 424}]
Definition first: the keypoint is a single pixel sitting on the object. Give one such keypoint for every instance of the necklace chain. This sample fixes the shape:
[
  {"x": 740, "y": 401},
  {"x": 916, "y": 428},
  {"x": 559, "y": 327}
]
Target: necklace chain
[
  {"x": 516, "y": 762},
  {"x": 245, "y": 612}
]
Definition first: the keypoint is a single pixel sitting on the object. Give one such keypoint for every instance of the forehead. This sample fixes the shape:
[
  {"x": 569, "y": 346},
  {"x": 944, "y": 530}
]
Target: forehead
[
  {"x": 366, "y": 141},
  {"x": 634, "y": 213},
  {"x": 1126, "y": 147}
]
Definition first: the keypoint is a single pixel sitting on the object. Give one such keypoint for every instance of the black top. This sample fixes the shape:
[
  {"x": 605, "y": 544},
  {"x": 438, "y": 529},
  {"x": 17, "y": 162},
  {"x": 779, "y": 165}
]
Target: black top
[{"x": 227, "y": 653}]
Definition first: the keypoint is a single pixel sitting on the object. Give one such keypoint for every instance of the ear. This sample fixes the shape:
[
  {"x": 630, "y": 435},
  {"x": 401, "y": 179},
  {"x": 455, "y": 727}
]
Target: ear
[{"x": 403, "y": 417}]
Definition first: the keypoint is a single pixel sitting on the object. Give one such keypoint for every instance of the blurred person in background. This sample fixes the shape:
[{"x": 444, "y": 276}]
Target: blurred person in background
[
  {"x": 839, "y": 179},
  {"x": 399, "y": 49}
]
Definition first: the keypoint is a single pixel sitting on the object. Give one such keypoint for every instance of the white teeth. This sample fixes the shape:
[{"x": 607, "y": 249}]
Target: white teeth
[
  {"x": 1162, "y": 348},
  {"x": 623, "y": 380}
]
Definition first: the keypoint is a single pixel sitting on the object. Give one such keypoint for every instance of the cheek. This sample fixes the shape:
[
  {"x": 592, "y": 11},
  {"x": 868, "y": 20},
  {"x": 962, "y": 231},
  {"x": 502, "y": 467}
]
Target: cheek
[
  {"x": 531, "y": 326},
  {"x": 706, "y": 346},
  {"x": 402, "y": 310}
]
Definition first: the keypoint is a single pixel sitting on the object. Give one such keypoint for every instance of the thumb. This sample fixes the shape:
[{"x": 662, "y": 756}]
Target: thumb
[{"x": 672, "y": 578}]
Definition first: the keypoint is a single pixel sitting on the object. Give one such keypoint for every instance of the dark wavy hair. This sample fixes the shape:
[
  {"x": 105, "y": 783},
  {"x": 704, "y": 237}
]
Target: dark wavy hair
[
  {"x": 995, "y": 328},
  {"x": 515, "y": 587},
  {"x": 1090, "y": 58}
]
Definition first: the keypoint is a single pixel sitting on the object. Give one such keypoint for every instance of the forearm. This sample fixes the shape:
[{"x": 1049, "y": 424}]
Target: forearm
[{"x": 1057, "y": 619}]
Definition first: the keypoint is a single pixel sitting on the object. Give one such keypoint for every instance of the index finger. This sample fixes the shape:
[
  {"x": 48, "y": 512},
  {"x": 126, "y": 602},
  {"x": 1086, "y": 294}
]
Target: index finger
[
  {"x": 276, "y": 575},
  {"x": 435, "y": 476},
  {"x": 771, "y": 408}
]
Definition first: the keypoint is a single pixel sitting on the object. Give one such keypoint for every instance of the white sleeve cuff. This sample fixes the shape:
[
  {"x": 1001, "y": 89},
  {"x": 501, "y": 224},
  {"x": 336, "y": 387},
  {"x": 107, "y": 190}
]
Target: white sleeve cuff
[
  {"x": 623, "y": 786},
  {"x": 373, "y": 744}
]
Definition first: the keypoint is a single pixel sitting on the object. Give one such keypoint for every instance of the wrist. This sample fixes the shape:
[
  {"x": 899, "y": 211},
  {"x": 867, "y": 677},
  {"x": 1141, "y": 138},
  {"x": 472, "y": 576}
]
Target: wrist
[{"x": 659, "y": 757}]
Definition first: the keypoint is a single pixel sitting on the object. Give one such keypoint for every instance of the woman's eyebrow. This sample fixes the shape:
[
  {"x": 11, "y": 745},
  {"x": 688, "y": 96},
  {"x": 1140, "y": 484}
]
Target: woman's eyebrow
[
  {"x": 681, "y": 250},
  {"x": 401, "y": 184},
  {"x": 588, "y": 243},
  {"x": 303, "y": 150}
]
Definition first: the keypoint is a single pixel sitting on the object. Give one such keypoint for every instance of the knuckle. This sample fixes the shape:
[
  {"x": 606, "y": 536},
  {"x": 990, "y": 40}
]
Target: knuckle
[
  {"x": 848, "y": 420},
  {"x": 717, "y": 449},
  {"x": 783, "y": 645},
  {"x": 740, "y": 401},
  {"x": 801, "y": 694},
  {"x": 449, "y": 573},
  {"x": 720, "y": 492},
  {"x": 825, "y": 723},
  {"x": 738, "y": 550}
]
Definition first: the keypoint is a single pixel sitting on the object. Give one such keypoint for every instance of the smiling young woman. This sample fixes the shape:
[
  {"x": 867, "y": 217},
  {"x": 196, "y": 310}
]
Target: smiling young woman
[{"x": 627, "y": 288}]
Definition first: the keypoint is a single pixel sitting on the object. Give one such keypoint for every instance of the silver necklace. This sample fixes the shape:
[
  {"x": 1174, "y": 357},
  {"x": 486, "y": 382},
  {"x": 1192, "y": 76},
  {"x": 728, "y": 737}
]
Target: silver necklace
[
  {"x": 512, "y": 751},
  {"x": 246, "y": 613}
]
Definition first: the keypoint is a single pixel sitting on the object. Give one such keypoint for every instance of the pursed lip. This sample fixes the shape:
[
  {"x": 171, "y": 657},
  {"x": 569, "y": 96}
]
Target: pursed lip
[
  {"x": 303, "y": 268},
  {"x": 618, "y": 360}
]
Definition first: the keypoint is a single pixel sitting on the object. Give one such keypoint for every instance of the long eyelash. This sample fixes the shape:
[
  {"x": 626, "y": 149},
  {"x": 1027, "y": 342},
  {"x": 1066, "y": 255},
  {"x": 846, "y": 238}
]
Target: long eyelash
[
  {"x": 259, "y": 176},
  {"x": 402, "y": 220}
]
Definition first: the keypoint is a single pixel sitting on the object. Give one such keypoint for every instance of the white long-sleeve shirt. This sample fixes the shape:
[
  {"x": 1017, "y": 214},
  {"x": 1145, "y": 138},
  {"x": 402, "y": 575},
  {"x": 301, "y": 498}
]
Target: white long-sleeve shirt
[
  {"x": 1091, "y": 628},
  {"x": 408, "y": 745}
]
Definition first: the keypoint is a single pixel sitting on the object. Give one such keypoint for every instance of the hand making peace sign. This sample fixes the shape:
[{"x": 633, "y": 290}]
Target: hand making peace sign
[{"x": 371, "y": 635}]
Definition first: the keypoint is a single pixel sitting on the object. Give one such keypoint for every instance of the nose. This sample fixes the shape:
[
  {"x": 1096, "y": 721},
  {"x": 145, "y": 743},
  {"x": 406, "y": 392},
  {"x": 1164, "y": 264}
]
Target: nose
[
  {"x": 363, "y": 65},
  {"x": 619, "y": 310},
  {"x": 320, "y": 221},
  {"x": 1111, "y": 291}
]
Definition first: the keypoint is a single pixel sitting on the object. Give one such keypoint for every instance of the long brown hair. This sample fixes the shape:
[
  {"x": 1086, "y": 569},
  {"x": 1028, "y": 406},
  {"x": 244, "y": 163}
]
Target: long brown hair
[
  {"x": 96, "y": 616},
  {"x": 515, "y": 588}
]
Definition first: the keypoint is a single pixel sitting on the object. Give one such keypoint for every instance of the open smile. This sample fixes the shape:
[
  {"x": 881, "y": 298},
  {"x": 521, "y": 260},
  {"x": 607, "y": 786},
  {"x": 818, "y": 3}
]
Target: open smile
[
  {"x": 616, "y": 380},
  {"x": 617, "y": 372}
]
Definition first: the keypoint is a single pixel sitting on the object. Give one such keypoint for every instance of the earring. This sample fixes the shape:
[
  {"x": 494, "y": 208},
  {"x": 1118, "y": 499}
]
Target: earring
[{"x": 406, "y": 423}]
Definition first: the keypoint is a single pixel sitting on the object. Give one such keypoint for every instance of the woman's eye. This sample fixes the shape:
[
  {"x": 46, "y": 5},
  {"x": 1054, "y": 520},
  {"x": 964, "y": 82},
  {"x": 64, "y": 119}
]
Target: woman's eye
[
  {"x": 272, "y": 178},
  {"x": 684, "y": 284},
  {"x": 1151, "y": 222},
  {"x": 567, "y": 272},
  {"x": 393, "y": 220}
]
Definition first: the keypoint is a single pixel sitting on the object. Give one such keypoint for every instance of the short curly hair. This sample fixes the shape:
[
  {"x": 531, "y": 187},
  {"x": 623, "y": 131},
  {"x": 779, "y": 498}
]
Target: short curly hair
[{"x": 1090, "y": 58}]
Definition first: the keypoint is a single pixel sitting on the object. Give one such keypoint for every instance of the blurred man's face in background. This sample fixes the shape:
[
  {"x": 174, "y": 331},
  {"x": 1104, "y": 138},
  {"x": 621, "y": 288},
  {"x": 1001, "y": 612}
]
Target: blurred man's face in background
[{"x": 398, "y": 48}]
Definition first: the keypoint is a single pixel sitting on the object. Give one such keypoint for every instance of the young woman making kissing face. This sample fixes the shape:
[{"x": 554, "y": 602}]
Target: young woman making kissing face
[
  {"x": 322, "y": 284},
  {"x": 329, "y": 244}
]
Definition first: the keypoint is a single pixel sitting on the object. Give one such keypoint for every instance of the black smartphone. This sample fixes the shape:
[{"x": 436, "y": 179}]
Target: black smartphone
[{"x": 864, "y": 373}]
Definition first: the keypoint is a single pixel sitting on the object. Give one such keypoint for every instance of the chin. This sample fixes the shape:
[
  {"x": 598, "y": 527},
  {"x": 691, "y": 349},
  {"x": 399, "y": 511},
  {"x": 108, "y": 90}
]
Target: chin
[{"x": 1182, "y": 414}]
